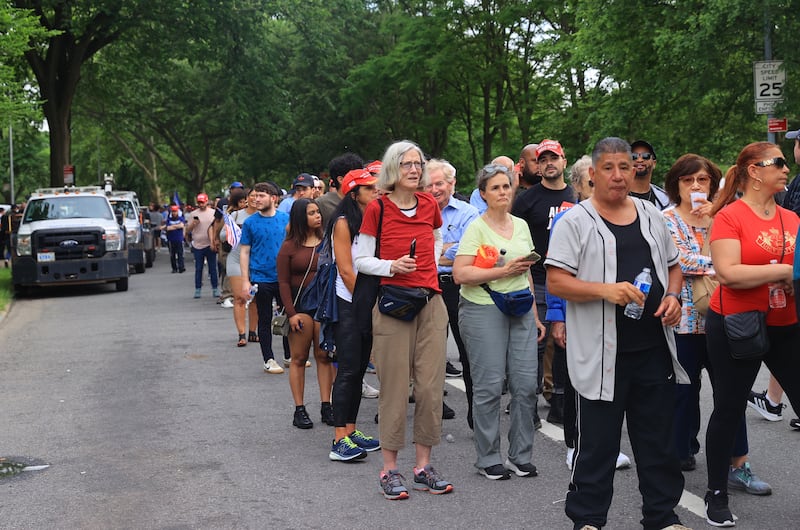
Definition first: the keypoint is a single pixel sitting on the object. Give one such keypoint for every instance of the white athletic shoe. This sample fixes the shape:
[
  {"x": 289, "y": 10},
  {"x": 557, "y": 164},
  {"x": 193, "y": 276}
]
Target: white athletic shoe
[{"x": 368, "y": 391}]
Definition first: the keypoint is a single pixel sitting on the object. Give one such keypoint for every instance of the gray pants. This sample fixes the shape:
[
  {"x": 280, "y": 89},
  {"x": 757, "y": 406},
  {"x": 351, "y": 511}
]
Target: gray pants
[{"x": 499, "y": 346}]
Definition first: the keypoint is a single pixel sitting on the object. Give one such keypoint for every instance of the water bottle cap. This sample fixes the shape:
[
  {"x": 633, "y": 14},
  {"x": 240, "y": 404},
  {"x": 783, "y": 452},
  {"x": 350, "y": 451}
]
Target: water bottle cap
[
  {"x": 646, "y": 269},
  {"x": 773, "y": 261}
]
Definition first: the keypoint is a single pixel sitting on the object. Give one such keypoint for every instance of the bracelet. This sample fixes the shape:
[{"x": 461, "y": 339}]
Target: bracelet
[{"x": 677, "y": 297}]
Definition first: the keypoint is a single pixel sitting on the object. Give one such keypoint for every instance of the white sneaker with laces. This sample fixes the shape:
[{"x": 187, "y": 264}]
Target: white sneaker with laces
[
  {"x": 227, "y": 303},
  {"x": 623, "y": 462},
  {"x": 271, "y": 367},
  {"x": 368, "y": 391}
]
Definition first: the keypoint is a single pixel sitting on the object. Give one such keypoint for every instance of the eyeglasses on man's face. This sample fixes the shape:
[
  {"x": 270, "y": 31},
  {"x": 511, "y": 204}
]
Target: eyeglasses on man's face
[
  {"x": 778, "y": 162},
  {"x": 408, "y": 165},
  {"x": 643, "y": 156}
]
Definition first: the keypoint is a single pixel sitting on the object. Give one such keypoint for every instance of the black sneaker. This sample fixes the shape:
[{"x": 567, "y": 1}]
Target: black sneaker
[
  {"x": 301, "y": 419},
  {"x": 447, "y": 412},
  {"x": 717, "y": 511},
  {"x": 451, "y": 371},
  {"x": 537, "y": 421},
  {"x": 495, "y": 472},
  {"x": 761, "y": 404},
  {"x": 794, "y": 423},
  {"x": 326, "y": 411},
  {"x": 521, "y": 470}
]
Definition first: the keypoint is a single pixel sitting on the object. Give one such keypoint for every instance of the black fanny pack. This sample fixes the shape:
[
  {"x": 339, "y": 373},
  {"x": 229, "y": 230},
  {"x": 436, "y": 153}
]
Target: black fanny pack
[
  {"x": 402, "y": 303},
  {"x": 513, "y": 304}
]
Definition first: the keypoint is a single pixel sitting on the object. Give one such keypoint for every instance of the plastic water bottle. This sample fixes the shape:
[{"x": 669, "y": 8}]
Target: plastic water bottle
[
  {"x": 777, "y": 296},
  {"x": 251, "y": 294},
  {"x": 501, "y": 259},
  {"x": 642, "y": 282}
]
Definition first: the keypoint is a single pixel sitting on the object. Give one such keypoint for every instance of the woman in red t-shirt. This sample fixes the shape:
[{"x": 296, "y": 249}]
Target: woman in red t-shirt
[
  {"x": 414, "y": 350},
  {"x": 747, "y": 236}
]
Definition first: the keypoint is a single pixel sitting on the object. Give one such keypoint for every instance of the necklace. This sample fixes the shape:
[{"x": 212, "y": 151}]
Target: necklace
[{"x": 757, "y": 208}]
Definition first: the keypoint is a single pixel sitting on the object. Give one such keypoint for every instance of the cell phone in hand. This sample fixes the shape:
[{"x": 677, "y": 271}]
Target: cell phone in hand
[
  {"x": 533, "y": 256},
  {"x": 413, "y": 250}
]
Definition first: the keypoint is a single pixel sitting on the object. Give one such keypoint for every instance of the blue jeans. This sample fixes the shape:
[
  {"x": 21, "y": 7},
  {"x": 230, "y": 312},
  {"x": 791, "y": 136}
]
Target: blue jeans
[{"x": 201, "y": 255}]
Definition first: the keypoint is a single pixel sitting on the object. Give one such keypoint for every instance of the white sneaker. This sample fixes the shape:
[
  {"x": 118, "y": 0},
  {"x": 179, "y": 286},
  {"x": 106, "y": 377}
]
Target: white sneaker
[
  {"x": 623, "y": 462},
  {"x": 227, "y": 303},
  {"x": 271, "y": 367},
  {"x": 570, "y": 456},
  {"x": 369, "y": 392}
]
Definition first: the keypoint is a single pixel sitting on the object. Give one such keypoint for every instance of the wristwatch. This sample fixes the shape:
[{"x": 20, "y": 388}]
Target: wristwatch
[{"x": 677, "y": 297}]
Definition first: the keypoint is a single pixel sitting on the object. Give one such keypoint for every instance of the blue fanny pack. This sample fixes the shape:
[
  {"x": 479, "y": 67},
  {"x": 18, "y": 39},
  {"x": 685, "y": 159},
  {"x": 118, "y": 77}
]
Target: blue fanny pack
[{"x": 513, "y": 304}]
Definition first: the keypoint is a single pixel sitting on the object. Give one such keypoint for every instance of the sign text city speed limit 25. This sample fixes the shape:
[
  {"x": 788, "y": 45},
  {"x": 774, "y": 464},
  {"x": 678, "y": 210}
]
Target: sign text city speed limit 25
[{"x": 769, "y": 77}]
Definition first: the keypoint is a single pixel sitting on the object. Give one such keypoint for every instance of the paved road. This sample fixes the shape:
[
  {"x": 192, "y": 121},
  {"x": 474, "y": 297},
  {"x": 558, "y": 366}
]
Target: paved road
[{"x": 152, "y": 418}]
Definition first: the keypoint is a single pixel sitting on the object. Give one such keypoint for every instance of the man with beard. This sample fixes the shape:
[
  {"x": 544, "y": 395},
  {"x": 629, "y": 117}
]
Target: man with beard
[
  {"x": 538, "y": 205},
  {"x": 644, "y": 162},
  {"x": 529, "y": 167}
]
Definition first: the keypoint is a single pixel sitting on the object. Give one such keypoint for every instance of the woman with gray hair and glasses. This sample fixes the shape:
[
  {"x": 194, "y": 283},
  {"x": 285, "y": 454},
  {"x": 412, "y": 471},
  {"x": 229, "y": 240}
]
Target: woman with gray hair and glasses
[
  {"x": 403, "y": 227},
  {"x": 495, "y": 255}
]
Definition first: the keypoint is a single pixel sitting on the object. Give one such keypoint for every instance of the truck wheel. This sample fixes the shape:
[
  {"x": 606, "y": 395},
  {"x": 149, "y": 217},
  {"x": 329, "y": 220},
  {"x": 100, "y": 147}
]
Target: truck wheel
[
  {"x": 139, "y": 268},
  {"x": 122, "y": 284}
]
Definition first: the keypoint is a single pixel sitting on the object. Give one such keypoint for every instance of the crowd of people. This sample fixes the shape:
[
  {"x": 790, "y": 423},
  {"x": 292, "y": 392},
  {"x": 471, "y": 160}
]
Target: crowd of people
[{"x": 528, "y": 275}]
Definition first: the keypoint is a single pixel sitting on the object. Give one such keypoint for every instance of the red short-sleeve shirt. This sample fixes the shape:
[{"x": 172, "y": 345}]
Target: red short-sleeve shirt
[
  {"x": 761, "y": 242},
  {"x": 397, "y": 232}
]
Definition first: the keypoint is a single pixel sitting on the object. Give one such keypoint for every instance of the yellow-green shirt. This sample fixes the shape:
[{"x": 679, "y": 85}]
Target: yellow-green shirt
[{"x": 479, "y": 233}]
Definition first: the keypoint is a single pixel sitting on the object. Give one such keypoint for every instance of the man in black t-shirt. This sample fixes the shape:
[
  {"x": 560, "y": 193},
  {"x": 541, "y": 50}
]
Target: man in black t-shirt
[
  {"x": 537, "y": 206},
  {"x": 644, "y": 162}
]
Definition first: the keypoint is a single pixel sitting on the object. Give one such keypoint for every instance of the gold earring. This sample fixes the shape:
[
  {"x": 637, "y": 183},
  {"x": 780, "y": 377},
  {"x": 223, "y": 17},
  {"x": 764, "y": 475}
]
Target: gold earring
[{"x": 759, "y": 182}]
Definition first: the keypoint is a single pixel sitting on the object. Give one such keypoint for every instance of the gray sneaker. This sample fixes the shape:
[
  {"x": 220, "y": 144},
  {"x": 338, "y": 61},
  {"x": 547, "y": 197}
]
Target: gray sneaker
[
  {"x": 391, "y": 485},
  {"x": 743, "y": 478}
]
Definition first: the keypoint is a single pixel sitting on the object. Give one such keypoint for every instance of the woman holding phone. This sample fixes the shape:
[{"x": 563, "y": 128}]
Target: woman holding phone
[
  {"x": 407, "y": 349},
  {"x": 498, "y": 344}
]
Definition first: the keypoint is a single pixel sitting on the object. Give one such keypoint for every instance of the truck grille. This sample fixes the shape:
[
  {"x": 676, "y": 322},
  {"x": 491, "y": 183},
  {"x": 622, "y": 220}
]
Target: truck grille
[{"x": 69, "y": 244}]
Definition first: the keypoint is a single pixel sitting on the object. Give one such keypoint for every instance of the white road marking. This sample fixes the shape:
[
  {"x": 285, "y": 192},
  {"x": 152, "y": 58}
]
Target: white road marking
[{"x": 689, "y": 501}]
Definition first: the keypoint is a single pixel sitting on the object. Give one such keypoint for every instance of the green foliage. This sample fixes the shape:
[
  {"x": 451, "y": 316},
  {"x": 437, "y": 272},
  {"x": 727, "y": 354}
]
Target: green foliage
[{"x": 254, "y": 89}]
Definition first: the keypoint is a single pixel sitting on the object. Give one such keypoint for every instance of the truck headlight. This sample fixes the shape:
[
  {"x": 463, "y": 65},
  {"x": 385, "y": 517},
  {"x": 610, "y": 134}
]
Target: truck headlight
[
  {"x": 114, "y": 239},
  {"x": 133, "y": 235},
  {"x": 23, "y": 245}
]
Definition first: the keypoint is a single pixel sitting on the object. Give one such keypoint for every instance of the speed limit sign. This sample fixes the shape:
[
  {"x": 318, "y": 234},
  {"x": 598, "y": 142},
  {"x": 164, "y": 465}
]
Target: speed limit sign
[{"x": 769, "y": 78}]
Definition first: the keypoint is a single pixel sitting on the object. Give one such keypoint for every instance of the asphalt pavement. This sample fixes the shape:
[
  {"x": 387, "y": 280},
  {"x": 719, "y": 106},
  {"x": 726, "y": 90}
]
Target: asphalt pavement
[{"x": 151, "y": 417}]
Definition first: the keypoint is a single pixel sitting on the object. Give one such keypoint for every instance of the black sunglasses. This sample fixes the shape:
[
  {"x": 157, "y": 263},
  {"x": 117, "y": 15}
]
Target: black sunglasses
[
  {"x": 778, "y": 162},
  {"x": 643, "y": 156}
]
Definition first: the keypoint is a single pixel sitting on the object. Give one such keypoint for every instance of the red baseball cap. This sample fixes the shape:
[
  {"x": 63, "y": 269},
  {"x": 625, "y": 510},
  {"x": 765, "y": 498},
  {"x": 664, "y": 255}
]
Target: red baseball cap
[
  {"x": 202, "y": 197},
  {"x": 549, "y": 145},
  {"x": 175, "y": 208},
  {"x": 374, "y": 166},
  {"x": 357, "y": 177}
]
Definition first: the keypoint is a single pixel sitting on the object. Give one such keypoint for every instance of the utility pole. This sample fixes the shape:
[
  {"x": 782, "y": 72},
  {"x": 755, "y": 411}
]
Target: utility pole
[
  {"x": 768, "y": 57},
  {"x": 11, "y": 160}
]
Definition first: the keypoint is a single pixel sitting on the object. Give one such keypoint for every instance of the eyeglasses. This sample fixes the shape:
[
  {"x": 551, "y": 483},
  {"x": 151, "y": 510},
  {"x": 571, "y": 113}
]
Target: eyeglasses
[
  {"x": 778, "y": 162},
  {"x": 643, "y": 156},
  {"x": 495, "y": 168},
  {"x": 408, "y": 165},
  {"x": 703, "y": 180}
]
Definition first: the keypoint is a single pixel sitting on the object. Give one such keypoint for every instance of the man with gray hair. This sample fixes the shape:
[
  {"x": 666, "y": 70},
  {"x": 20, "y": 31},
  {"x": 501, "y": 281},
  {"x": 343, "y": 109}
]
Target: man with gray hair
[
  {"x": 621, "y": 366},
  {"x": 456, "y": 216}
]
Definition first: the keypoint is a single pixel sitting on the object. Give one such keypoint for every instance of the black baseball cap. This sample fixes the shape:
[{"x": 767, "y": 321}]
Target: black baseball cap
[{"x": 645, "y": 144}]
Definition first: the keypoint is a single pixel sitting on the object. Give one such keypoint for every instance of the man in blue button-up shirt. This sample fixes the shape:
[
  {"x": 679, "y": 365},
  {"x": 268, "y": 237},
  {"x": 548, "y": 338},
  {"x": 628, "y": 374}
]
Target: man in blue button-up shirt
[{"x": 456, "y": 215}]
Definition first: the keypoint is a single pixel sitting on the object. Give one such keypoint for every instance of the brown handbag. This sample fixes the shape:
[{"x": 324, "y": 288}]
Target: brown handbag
[{"x": 703, "y": 286}]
